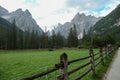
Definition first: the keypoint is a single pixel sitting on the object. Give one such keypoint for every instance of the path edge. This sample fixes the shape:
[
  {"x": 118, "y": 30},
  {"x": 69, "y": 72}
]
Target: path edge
[{"x": 110, "y": 65}]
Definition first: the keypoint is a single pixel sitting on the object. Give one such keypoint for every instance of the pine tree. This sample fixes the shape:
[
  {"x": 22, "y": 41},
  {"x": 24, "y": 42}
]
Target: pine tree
[
  {"x": 75, "y": 37},
  {"x": 70, "y": 39},
  {"x": 53, "y": 39},
  {"x": 27, "y": 39},
  {"x": 20, "y": 39},
  {"x": 59, "y": 40},
  {"x": 14, "y": 35}
]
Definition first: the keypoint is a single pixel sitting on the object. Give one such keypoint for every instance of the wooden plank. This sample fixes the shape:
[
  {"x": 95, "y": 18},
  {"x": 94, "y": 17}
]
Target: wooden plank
[
  {"x": 40, "y": 74},
  {"x": 72, "y": 61},
  {"x": 84, "y": 74},
  {"x": 76, "y": 69}
]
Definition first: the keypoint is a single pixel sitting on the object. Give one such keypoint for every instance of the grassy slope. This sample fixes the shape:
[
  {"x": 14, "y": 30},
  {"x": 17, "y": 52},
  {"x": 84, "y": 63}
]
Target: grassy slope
[{"x": 17, "y": 64}]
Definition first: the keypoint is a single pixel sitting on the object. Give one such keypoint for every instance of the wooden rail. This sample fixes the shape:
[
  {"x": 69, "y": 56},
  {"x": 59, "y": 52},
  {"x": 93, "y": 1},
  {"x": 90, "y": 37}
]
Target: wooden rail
[{"x": 64, "y": 63}]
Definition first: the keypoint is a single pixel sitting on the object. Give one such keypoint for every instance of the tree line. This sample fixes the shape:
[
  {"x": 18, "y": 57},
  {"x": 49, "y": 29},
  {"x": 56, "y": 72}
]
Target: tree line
[{"x": 14, "y": 38}]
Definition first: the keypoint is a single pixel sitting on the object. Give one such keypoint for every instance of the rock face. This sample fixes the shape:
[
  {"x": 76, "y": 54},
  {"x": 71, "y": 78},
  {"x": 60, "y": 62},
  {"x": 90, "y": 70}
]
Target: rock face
[
  {"x": 3, "y": 11},
  {"x": 82, "y": 23},
  {"x": 24, "y": 20}
]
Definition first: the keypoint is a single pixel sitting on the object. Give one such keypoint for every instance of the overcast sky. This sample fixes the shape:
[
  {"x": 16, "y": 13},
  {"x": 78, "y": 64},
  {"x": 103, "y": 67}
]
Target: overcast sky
[{"x": 52, "y": 12}]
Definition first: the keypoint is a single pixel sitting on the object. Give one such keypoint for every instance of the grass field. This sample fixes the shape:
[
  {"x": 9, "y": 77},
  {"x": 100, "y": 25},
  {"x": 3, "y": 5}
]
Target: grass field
[{"x": 15, "y": 65}]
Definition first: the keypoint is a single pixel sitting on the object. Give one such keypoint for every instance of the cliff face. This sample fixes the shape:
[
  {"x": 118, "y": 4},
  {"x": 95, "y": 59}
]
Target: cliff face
[
  {"x": 23, "y": 19},
  {"x": 82, "y": 23}
]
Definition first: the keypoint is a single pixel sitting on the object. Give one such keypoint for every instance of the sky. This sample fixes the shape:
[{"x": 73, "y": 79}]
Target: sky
[{"x": 51, "y": 12}]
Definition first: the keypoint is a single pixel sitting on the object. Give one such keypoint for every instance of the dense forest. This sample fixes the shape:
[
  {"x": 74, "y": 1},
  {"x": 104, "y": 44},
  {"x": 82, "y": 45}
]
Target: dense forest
[{"x": 13, "y": 38}]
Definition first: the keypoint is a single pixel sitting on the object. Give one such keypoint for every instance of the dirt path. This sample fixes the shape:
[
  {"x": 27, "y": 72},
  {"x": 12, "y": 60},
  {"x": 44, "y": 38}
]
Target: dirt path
[{"x": 113, "y": 72}]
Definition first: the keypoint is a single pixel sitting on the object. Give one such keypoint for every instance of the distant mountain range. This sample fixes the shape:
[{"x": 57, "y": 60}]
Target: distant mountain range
[
  {"x": 23, "y": 19},
  {"x": 110, "y": 24},
  {"x": 82, "y": 23}
]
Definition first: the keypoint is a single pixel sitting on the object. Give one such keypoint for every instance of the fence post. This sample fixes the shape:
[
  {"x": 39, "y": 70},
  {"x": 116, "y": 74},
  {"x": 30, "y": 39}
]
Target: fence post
[
  {"x": 101, "y": 55},
  {"x": 64, "y": 61},
  {"x": 92, "y": 61}
]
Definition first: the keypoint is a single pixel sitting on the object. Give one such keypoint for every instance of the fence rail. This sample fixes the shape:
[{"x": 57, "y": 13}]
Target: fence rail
[{"x": 64, "y": 63}]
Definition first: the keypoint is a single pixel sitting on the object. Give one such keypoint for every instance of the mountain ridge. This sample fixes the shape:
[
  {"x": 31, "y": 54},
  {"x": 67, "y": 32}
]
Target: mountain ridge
[
  {"x": 110, "y": 24},
  {"x": 24, "y": 20},
  {"x": 81, "y": 21}
]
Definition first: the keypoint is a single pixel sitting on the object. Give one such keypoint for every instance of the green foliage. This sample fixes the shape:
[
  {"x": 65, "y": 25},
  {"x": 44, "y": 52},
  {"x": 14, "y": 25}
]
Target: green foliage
[
  {"x": 86, "y": 39},
  {"x": 118, "y": 44},
  {"x": 50, "y": 49},
  {"x": 100, "y": 41},
  {"x": 56, "y": 40},
  {"x": 13, "y": 38},
  {"x": 83, "y": 47},
  {"x": 72, "y": 37}
]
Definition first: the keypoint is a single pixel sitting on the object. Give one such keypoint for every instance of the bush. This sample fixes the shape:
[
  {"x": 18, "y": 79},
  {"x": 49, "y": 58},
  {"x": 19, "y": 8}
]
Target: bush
[
  {"x": 118, "y": 44},
  {"x": 50, "y": 49}
]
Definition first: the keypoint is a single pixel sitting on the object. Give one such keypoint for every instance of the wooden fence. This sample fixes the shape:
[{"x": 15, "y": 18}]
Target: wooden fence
[{"x": 64, "y": 63}]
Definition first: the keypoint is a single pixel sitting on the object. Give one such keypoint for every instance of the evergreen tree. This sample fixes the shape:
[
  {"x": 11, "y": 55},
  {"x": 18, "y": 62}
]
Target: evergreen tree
[
  {"x": 75, "y": 37},
  {"x": 53, "y": 39},
  {"x": 14, "y": 35},
  {"x": 20, "y": 39},
  {"x": 44, "y": 40},
  {"x": 59, "y": 40},
  {"x": 27, "y": 39},
  {"x": 70, "y": 39}
]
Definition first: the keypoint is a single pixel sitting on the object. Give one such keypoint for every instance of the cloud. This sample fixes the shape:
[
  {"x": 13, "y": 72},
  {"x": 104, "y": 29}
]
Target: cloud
[
  {"x": 107, "y": 9},
  {"x": 31, "y": 3},
  {"x": 93, "y": 7},
  {"x": 86, "y": 4},
  {"x": 11, "y": 5},
  {"x": 51, "y": 12}
]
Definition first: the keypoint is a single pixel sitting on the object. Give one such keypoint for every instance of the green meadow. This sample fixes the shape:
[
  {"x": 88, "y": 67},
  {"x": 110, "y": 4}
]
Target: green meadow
[{"x": 16, "y": 64}]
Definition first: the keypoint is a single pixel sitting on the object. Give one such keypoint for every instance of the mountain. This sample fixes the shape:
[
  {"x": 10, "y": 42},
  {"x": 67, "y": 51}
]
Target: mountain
[
  {"x": 4, "y": 22},
  {"x": 6, "y": 26},
  {"x": 23, "y": 19},
  {"x": 82, "y": 23},
  {"x": 3, "y": 11},
  {"x": 110, "y": 24}
]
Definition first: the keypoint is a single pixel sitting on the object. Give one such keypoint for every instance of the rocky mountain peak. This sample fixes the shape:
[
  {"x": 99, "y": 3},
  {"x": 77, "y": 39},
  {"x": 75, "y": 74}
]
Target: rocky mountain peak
[
  {"x": 78, "y": 17},
  {"x": 59, "y": 24},
  {"x": 19, "y": 10},
  {"x": 27, "y": 12},
  {"x": 81, "y": 21},
  {"x": 23, "y": 19}
]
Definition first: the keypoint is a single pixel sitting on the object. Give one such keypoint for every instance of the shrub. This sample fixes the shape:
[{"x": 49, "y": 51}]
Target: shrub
[{"x": 50, "y": 49}]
